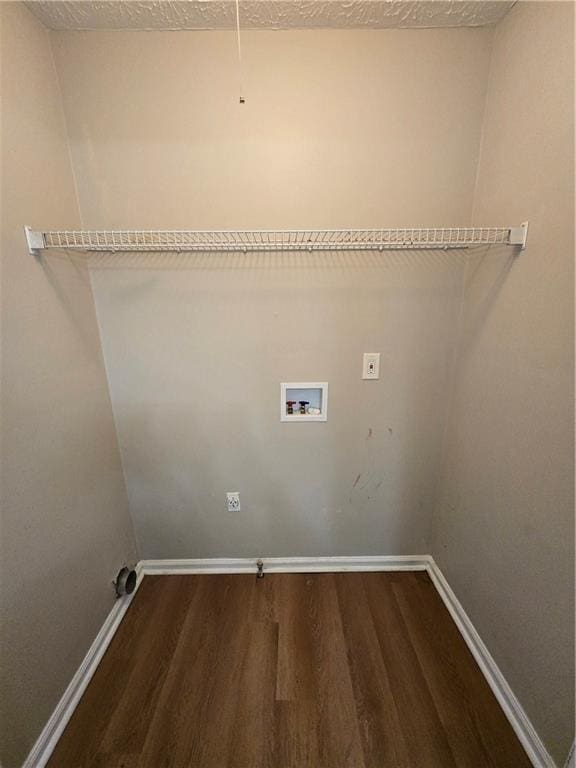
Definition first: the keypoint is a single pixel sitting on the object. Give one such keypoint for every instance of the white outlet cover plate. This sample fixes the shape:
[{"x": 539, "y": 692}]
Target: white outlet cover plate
[
  {"x": 371, "y": 365},
  {"x": 233, "y": 501}
]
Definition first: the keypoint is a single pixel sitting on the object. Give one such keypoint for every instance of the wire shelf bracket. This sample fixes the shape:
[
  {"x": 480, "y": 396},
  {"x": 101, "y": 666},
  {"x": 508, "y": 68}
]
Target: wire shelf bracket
[{"x": 258, "y": 240}]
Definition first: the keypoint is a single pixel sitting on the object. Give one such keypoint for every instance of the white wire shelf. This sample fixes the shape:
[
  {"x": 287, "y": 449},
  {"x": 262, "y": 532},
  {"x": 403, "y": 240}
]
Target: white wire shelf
[{"x": 122, "y": 241}]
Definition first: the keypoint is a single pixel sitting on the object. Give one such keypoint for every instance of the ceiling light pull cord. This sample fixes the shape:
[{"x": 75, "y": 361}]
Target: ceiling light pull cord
[{"x": 242, "y": 99}]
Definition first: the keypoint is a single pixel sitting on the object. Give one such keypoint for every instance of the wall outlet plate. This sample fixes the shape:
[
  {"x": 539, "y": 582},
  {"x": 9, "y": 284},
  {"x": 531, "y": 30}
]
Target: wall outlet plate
[
  {"x": 371, "y": 365},
  {"x": 233, "y": 501}
]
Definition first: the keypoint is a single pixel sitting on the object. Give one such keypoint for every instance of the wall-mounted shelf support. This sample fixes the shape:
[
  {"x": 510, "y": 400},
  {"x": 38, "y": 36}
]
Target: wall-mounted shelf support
[
  {"x": 519, "y": 235},
  {"x": 258, "y": 240},
  {"x": 35, "y": 241}
]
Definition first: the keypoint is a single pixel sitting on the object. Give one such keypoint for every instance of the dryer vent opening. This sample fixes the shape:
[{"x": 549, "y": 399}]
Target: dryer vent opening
[{"x": 125, "y": 582}]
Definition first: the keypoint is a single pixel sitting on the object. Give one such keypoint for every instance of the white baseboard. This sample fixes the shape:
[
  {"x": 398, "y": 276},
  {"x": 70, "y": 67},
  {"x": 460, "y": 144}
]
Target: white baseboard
[
  {"x": 571, "y": 759},
  {"x": 286, "y": 564},
  {"x": 519, "y": 721},
  {"x": 54, "y": 728},
  {"x": 535, "y": 749}
]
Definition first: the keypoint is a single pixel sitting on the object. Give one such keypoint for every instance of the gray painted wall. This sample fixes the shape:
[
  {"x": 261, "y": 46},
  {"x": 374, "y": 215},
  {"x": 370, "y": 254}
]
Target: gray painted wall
[
  {"x": 65, "y": 523},
  {"x": 504, "y": 527},
  {"x": 352, "y": 128},
  {"x": 196, "y": 356}
]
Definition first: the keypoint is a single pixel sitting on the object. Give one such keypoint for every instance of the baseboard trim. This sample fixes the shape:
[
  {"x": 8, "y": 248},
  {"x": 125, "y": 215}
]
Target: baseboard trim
[
  {"x": 525, "y": 731},
  {"x": 571, "y": 759},
  {"x": 54, "y": 728},
  {"x": 518, "y": 719},
  {"x": 285, "y": 564}
]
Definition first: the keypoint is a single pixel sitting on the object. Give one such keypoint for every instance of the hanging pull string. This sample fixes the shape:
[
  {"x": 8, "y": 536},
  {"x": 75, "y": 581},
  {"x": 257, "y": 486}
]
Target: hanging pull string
[{"x": 242, "y": 99}]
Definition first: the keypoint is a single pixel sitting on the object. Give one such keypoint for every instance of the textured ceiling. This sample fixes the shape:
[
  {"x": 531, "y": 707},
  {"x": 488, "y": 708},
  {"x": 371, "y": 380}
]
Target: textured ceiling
[{"x": 272, "y": 14}]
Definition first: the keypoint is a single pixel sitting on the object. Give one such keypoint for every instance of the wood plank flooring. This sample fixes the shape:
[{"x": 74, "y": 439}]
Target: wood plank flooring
[{"x": 345, "y": 670}]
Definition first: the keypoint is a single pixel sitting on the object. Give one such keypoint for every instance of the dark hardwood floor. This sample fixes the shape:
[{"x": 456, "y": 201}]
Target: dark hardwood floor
[{"x": 347, "y": 670}]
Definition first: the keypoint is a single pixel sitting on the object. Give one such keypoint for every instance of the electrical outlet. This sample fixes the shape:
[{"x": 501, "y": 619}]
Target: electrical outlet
[
  {"x": 371, "y": 365},
  {"x": 233, "y": 501}
]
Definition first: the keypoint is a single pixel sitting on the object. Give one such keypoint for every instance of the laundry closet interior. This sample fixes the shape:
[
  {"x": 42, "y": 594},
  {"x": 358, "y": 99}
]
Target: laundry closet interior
[{"x": 287, "y": 415}]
